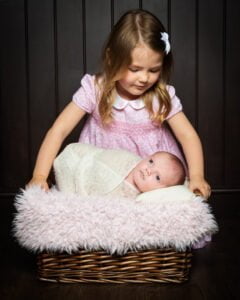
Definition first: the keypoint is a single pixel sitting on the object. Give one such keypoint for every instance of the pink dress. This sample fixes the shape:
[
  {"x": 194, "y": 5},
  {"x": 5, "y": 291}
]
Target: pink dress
[{"x": 131, "y": 128}]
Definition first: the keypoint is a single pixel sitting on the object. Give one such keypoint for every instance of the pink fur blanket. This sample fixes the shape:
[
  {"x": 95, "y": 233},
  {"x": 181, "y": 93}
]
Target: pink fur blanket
[{"x": 55, "y": 221}]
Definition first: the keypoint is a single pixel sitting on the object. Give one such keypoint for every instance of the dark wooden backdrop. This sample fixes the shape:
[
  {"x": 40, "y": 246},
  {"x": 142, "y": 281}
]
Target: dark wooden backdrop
[{"x": 47, "y": 45}]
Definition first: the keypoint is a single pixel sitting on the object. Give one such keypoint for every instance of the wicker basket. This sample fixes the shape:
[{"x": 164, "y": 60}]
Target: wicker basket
[{"x": 147, "y": 266}]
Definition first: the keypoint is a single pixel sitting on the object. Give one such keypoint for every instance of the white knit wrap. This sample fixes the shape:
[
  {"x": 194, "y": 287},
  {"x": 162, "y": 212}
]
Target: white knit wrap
[{"x": 87, "y": 170}]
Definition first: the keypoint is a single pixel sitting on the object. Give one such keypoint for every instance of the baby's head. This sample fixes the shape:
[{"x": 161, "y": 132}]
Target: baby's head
[{"x": 162, "y": 169}]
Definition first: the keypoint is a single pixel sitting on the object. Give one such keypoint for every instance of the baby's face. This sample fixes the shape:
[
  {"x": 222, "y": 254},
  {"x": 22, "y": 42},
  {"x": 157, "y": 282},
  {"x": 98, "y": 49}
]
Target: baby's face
[{"x": 150, "y": 173}]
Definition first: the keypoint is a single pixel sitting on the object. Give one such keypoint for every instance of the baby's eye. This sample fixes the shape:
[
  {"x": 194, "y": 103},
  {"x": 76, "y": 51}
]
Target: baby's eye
[
  {"x": 158, "y": 178},
  {"x": 151, "y": 161}
]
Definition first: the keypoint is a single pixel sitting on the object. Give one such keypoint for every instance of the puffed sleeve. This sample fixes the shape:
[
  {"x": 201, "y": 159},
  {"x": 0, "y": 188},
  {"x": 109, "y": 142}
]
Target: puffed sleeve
[
  {"x": 175, "y": 102},
  {"x": 85, "y": 96}
]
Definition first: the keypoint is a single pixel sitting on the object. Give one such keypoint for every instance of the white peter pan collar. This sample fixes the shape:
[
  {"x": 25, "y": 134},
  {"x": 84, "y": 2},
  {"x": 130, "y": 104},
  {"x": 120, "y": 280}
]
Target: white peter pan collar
[{"x": 121, "y": 103}]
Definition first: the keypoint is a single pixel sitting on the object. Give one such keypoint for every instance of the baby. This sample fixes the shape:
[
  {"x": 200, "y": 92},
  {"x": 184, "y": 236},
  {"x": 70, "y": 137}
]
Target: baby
[
  {"x": 89, "y": 170},
  {"x": 162, "y": 169}
]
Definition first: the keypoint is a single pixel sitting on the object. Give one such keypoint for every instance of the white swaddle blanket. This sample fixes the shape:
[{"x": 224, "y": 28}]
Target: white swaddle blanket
[{"x": 87, "y": 170}]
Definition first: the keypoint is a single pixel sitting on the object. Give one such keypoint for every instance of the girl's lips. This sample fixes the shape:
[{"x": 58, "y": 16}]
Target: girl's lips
[{"x": 140, "y": 86}]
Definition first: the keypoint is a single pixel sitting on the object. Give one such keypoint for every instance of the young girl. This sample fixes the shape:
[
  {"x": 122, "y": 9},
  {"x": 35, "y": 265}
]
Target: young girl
[{"x": 129, "y": 103}]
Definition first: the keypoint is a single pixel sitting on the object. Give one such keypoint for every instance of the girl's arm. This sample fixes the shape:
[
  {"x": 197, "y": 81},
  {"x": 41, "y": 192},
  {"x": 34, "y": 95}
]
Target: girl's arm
[
  {"x": 192, "y": 148},
  {"x": 52, "y": 142}
]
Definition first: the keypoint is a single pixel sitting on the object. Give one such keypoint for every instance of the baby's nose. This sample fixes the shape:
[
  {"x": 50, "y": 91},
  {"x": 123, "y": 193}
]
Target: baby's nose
[{"x": 148, "y": 171}]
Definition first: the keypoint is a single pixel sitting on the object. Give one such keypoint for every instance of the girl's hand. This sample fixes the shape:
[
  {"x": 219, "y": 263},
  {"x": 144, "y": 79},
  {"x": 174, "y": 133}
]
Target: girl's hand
[
  {"x": 39, "y": 181},
  {"x": 199, "y": 186}
]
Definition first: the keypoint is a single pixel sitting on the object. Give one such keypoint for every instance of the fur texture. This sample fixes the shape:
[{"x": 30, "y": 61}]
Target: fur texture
[{"x": 55, "y": 221}]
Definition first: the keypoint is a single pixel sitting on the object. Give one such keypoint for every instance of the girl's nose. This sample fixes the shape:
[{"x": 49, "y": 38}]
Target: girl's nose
[{"x": 143, "y": 77}]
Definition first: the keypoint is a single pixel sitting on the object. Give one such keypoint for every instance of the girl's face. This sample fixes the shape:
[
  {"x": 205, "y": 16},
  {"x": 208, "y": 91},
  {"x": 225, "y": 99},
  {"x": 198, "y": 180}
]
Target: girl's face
[{"x": 141, "y": 74}]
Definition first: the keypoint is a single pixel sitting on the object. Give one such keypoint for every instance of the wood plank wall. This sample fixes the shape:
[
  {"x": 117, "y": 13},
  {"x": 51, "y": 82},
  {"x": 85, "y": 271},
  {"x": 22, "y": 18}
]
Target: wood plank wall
[{"x": 47, "y": 45}]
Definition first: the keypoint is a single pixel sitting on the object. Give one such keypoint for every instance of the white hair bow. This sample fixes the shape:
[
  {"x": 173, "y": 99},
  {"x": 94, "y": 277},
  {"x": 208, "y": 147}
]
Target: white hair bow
[{"x": 164, "y": 37}]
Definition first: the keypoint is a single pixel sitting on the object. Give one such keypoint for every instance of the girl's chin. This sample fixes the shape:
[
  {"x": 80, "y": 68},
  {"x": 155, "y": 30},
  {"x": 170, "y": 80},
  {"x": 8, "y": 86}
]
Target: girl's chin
[
  {"x": 132, "y": 96},
  {"x": 132, "y": 93},
  {"x": 138, "y": 91}
]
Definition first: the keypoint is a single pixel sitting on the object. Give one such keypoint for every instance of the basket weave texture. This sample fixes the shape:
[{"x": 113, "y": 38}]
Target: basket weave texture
[{"x": 146, "y": 266}]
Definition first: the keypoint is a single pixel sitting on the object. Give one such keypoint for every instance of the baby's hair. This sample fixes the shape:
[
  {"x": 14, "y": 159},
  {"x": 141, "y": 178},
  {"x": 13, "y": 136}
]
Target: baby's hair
[
  {"x": 177, "y": 168},
  {"x": 133, "y": 28}
]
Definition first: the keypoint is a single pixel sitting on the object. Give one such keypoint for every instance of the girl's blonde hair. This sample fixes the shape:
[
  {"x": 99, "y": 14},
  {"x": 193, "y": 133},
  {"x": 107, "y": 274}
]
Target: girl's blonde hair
[{"x": 133, "y": 27}]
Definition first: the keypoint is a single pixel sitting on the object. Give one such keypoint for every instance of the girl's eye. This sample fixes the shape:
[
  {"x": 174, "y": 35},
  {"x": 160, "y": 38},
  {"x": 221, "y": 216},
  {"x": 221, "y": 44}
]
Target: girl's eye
[
  {"x": 151, "y": 161},
  {"x": 158, "y": 178},
  {"x": 133, "y": 70},
  {"x": 155, "y": 71}
]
